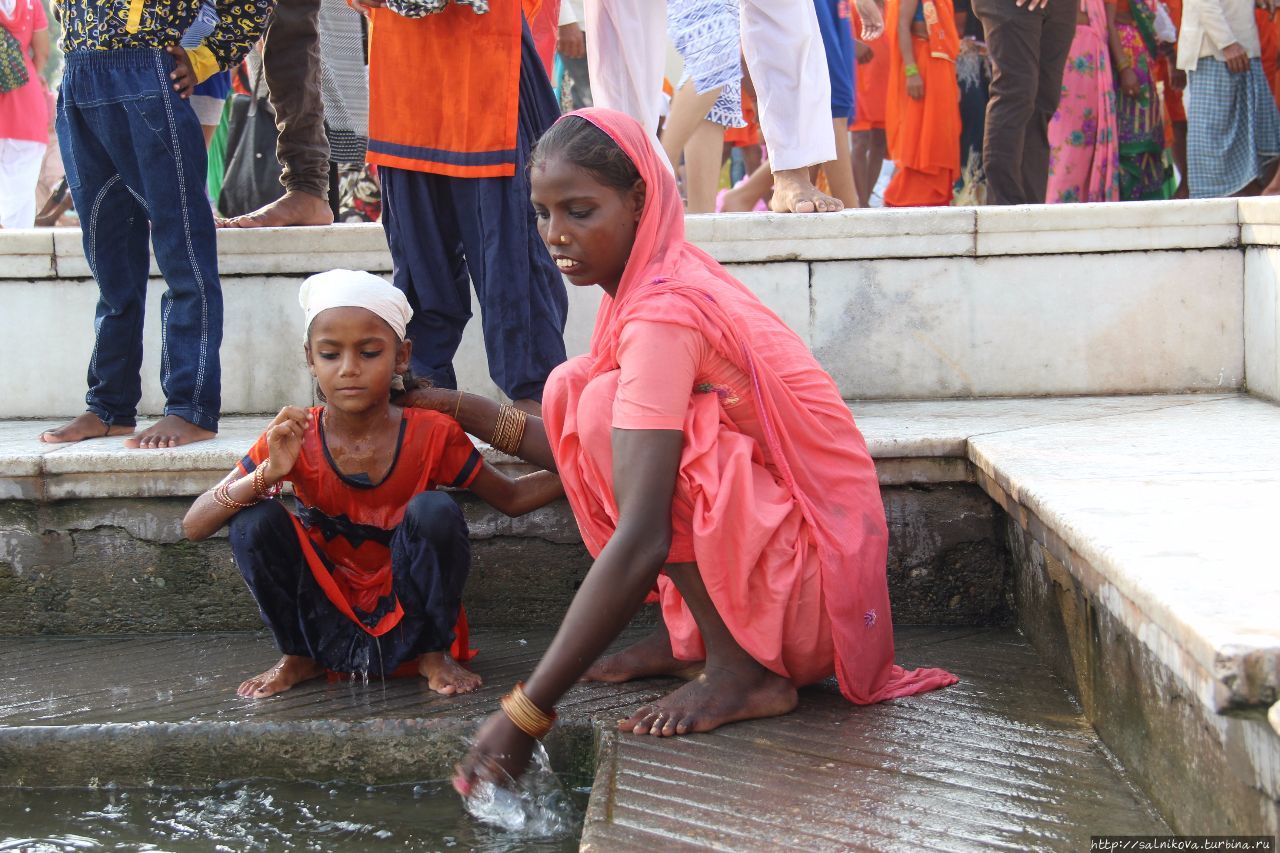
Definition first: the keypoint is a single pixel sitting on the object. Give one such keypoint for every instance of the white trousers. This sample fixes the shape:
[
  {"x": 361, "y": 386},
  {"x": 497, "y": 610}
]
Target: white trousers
[
  {"x": 626, "y": 47},
  {"x": 20, "y": 161}
]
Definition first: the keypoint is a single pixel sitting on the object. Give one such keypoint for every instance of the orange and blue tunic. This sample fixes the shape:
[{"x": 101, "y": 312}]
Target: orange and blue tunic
[{"x": 363, "y": 576}]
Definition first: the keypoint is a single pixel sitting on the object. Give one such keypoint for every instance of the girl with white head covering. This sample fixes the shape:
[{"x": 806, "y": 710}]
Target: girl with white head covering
[{"x": 366, "y": 575}]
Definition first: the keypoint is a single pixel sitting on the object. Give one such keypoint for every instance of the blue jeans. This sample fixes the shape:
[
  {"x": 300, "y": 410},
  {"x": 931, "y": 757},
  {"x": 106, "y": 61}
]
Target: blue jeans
[{"x": 135, "y": 161}]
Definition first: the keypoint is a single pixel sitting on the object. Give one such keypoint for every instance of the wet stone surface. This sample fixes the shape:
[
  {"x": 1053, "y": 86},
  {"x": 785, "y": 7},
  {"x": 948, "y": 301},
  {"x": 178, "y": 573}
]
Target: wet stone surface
[{"x": 1003, "y": 760}]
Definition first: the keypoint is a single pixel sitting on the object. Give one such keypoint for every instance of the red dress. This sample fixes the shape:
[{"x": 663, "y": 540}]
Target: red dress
[{"x": 344, "y": 525}]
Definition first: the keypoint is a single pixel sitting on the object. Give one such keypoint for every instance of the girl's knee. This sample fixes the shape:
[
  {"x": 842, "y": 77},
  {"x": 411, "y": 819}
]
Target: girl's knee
[
  {"x": 434, "y": 516},
  {"x": 256, "y": 523}
]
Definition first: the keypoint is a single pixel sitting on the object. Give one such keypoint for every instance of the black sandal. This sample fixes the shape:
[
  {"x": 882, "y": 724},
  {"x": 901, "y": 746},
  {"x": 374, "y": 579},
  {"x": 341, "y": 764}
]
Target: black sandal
[{"x": 58, "y": 203}]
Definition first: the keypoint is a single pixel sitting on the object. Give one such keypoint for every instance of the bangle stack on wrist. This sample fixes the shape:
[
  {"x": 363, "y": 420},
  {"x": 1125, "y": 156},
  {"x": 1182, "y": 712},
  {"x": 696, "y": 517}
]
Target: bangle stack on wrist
[
  {"x": 222, "y": 491},
  {"x": 526, "y": 716},
  {"x": 508, "y": 429},
  {"x": 911, "y": 70}
]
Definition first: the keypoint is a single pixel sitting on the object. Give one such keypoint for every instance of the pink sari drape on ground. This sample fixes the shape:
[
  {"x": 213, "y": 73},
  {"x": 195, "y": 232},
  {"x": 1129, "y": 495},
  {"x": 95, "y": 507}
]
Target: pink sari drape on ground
[
  {"x": 1084, "y": 162},
  {"x": 789, "y": 533}
]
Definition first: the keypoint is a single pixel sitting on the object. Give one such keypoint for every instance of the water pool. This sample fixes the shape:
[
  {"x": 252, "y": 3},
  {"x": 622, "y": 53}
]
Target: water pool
[{"x": 258, "y": 815}]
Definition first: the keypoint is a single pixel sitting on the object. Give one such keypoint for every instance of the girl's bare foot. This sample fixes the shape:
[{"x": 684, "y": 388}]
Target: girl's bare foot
[
  {"x": 793, "y": 192},
  {"x": 291, "y": 670},
  {"x": 445, "y": 675},
  {"x": 169, "y": 431},
  {"x": 293, "y": 208},
  {"x": 649, "y": 657},
  {"x": 714, "y": 698},
  {"x": 81, "y": 427}
]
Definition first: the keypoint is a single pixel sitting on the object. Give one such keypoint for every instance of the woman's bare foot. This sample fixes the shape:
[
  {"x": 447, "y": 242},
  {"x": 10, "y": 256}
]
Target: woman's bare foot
[
  {"x": 714, "y": 698},
  {"x": 793, "y": 192},
  {"x": 445, "y": 675},
  {"x": 169, "y": 431},
  {"x": 293, "y": 208},
  {"x": 291, "y": 670},
  {"x": 649, "y": 657},
  {"x": 81, "y": 427}
]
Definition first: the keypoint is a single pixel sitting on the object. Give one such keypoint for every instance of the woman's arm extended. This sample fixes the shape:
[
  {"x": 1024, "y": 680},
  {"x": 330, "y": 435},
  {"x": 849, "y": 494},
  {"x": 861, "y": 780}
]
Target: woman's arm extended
[
  {"x": 645, "y": 464},
  {"x": 479, "y": 415},
  {"x": 518, "y": 495}
]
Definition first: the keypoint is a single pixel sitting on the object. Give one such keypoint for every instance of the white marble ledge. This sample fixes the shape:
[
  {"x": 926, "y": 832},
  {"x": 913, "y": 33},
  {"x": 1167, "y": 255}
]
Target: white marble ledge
[
  {"x": 750, "y": 238},
  {"x": 26, "y": 253},
  {"x": 1173, "y": 512},
  {"x": 943, "y": 428},
  {"x": 22, "y": 454},
  {"x": 894, "y": 430},
  {"x": 1111, "y": 227}
]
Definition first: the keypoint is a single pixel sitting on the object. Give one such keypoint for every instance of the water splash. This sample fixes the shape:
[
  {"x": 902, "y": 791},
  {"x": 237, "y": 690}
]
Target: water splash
[{"x": 536, "y": 806}]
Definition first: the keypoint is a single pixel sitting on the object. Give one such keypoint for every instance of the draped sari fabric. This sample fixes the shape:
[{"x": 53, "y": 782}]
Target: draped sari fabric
[
  {"x": 789, "y": 525},
  {"x": 1084, "y": 163}
]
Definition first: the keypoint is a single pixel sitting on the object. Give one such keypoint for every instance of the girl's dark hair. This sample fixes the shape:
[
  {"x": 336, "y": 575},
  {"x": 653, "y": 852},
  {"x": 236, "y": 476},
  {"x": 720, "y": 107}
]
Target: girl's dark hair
[{"x": 588, "y": 147}]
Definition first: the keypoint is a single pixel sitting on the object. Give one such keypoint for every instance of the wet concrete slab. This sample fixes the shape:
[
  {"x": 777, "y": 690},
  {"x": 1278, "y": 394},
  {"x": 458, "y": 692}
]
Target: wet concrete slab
[{"x": 1003, "y": 760}]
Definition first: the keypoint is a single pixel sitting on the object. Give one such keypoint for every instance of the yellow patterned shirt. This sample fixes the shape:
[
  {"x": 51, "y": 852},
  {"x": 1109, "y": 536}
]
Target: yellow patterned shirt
[{"x": 115, "y": 24}]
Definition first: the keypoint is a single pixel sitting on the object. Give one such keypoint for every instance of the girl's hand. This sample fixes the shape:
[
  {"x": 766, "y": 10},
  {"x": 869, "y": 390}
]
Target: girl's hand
[
  {"x": 1129, "y": 83},
  {"x": 500, "y": 755},
  {"x": 284, "y": 441},
  {"x": 915, "y": 87}
]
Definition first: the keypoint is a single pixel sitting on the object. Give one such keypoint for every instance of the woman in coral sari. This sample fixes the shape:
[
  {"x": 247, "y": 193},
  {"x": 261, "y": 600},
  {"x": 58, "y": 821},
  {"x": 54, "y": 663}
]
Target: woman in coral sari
[
  {"x": 703, "y": 450},
  {"x": 1084, "y": 156}
]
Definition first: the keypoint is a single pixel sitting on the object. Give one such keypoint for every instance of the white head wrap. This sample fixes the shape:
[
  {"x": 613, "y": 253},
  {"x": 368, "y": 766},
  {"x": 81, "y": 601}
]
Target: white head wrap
[{"x": 354, "y": 289}]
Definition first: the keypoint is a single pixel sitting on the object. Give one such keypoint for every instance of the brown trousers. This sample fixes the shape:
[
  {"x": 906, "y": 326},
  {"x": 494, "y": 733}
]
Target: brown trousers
[
  {"x": 291, "y": 62},
  {"x": 1028, "y": 53}
]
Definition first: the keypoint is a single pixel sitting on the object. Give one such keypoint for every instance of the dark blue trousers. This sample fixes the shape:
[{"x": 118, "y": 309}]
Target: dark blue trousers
[
  {"x": 430, "y": 561},
  {"x": 135, "y": 160},
  {"x": 447, "y": 234}
]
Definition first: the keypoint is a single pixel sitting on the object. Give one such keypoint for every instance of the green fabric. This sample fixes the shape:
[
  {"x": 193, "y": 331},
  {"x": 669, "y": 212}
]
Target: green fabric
[{"x": 217, "y": 155}]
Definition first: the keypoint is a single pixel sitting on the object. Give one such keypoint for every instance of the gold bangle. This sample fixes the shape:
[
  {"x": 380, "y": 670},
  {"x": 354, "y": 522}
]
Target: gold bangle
[
  {"x": 222, "y": 495},
  {"x": 458, "y": 407},
  {"x": 260, "y": 478},
  {"x": 526, "y": 716},
  {"x": 508, "y": 429}
]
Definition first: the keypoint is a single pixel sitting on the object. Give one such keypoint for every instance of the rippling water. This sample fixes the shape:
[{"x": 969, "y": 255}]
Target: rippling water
[{"x": 267, "y": 815}]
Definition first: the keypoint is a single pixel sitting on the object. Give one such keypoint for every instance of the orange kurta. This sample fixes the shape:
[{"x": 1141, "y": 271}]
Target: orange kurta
[
  {"x": 923, "y": 135},
  {"x": 1165, "y": 68},
  {"x": 873, "y": 82},
  {"x": 444, "y": 90},
  {"x": 1269, "y": 37}
]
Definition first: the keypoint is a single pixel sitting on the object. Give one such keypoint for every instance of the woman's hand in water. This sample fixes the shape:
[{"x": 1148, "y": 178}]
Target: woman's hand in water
[
  {"x": 500, "y": 755},
  {"x": 284, "y": 441}
]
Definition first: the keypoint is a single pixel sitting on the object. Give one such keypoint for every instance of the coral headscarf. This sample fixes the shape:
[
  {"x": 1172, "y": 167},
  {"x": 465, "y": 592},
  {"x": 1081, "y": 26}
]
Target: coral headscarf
[{"x": 812, "y": 441}]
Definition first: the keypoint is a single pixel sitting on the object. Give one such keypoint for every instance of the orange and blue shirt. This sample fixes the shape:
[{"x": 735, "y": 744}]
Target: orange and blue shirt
[{"x": 444, "y": 90}]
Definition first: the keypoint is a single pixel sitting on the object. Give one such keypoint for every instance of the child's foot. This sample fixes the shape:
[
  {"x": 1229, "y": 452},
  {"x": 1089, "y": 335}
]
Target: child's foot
[
  {"x": 169, "y": 431},
  {"x": 291, "y": 670},
  {"x": 81, "y": 427},
  {"x": 293, "y": 208},
  {"x": 445, "y": 675},
  {"x": 714, "y": 698},
  {"x": 649, "y": 657},
  {"x": 793, "y": 192}
]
